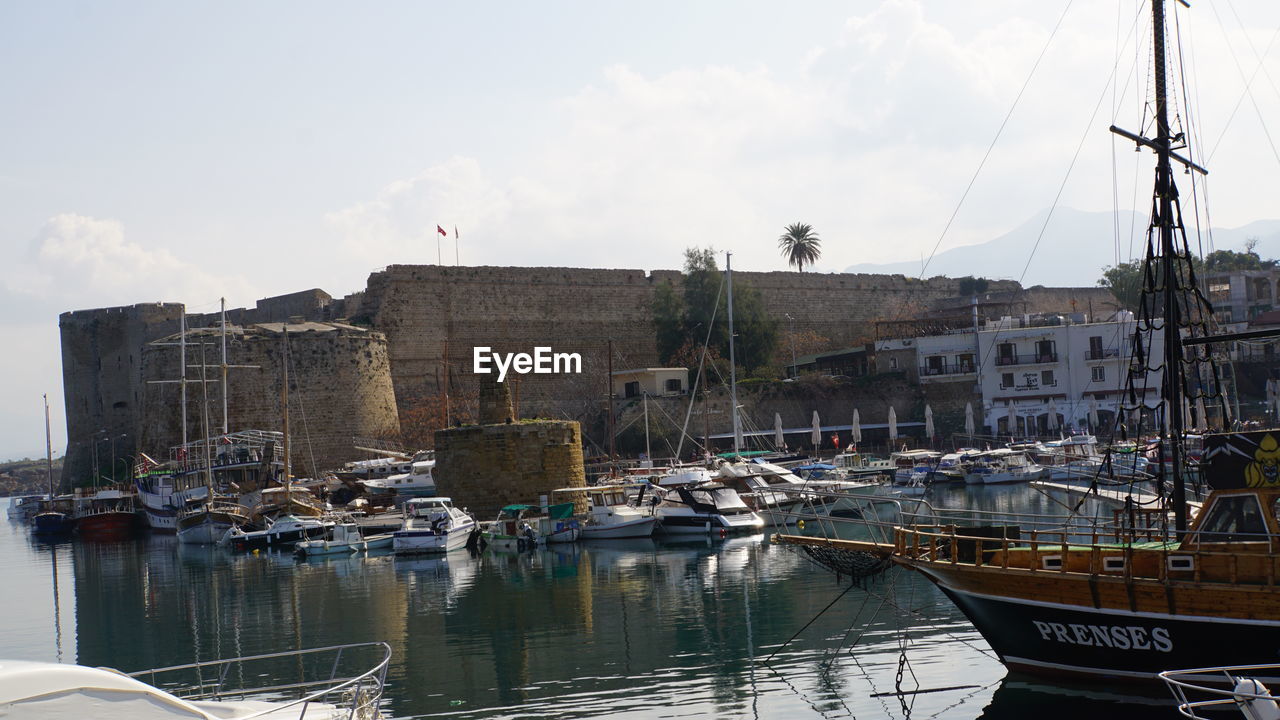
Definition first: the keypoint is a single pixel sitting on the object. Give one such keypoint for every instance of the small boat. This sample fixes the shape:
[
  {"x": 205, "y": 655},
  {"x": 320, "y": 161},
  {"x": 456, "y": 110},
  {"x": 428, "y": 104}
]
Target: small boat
[
  {"x": 431, "y": 525},
  {"x": 208, "y": 522},
  {"x": 106, "y": 515},
  {"x": 344, "y": 539},
  {"x": 418, "y": 482},
  {"x": 22, "y": 507},
  {"x": 609, "y": 515},
  {"x": 908, "y": 462},
  {"x": 53, "y": 516},
  {"x": 510, "y": 531},
  {"x": 1002, "y": 466},
  {"x": 332, "y": 686},
  {"x": 559, "y": 525},
  {"x": 285, "y": 531}
]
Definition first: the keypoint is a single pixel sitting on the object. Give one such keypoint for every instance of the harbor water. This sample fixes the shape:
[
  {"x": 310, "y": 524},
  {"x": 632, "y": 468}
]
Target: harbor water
[{"x": 736, "y": 627}]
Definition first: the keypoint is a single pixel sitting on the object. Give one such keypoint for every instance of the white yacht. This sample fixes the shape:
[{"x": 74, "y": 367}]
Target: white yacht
[
  {"x": 415, "y": 483},
  {"x": 610, "y": 516},
  {"x": 432, "y": 525},
  {"x": 704, "y": 509}
]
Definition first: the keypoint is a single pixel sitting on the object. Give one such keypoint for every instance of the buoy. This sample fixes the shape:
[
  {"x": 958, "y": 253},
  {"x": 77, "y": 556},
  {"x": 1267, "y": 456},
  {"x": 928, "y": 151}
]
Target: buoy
[{"x": 800, "y": 524}]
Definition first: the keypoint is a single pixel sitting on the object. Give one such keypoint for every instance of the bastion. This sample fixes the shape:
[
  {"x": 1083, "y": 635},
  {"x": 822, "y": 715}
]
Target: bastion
[
  {"x": 339, "y": 388},
  {"x": 504, "y": 461}
]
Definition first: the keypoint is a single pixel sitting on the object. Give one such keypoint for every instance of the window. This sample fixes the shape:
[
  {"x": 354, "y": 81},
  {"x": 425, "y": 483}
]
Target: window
[
  {"x": 673, "y": 385},
  {"x": 1007, "y": 354},
  {"x": 1006, "y": 380},
  {"x": 935, "y": 365},
  {"x": 1046, "y": 351},
  {"x": 1098, "y": 374},
  {"x": 893, "y": 363},
  {"x": 965, "y": 362},
  {"x": 1233, "y": 518},
  {"x": 1046, "y": 378},
  {"x": 631, "y": 389}
]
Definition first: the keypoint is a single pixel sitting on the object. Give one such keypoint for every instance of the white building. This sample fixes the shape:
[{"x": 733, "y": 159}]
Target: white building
[{"x": 1027, "y": 367}]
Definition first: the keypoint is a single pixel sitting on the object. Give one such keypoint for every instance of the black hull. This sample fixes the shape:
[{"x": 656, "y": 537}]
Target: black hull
[
  {"x": 278, "y": 540},
  {"x": 1061, "y": 640}
]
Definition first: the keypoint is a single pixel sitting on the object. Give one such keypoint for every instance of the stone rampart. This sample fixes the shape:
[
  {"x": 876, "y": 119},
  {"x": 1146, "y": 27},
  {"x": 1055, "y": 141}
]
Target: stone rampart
[
  {"x": 485, "y": 467},
  {"x": 339, "y": 389},
  {"x": 102, "y": 382}
]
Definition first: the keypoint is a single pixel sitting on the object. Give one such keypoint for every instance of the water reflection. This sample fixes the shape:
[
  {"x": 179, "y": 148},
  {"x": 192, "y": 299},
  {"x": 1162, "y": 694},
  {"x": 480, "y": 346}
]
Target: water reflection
[{"x": 636, "y": 628}]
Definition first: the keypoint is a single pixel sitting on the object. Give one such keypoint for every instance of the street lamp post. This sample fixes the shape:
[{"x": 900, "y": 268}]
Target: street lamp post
[{"x": 792, "y": 332}]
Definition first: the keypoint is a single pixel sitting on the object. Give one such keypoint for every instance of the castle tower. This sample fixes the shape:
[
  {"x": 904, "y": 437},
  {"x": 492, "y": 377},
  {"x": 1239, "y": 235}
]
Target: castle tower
[{"x": 503, "y": 460}]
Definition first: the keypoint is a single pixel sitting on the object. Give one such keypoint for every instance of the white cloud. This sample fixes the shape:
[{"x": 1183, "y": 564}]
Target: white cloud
[
  {"x": 873, "y": 141},
  {"x": 77, "y": 261}
]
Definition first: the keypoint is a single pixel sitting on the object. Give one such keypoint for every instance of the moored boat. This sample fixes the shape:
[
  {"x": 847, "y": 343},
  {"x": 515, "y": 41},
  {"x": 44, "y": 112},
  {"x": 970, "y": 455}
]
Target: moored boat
[{"x": 432, "y": 525}]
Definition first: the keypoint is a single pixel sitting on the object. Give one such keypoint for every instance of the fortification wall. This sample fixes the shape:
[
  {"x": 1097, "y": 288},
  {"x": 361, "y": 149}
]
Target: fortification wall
[
  {"x": 339, "y": 388},
  {"x": 425, "y": 308},
  {"x": 102, "y": 381}
]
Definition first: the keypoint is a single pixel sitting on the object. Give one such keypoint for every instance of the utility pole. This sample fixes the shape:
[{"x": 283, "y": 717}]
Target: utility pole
[{"x": 609, "y": 390}]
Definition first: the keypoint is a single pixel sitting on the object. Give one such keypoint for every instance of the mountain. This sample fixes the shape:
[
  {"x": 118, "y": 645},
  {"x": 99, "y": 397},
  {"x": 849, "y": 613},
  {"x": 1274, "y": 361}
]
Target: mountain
[{"x": 1074, "y": 249}]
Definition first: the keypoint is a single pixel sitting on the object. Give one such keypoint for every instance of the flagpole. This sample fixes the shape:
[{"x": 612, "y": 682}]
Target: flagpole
[
  {"x": 438, "y": 262},
  {"x": 455, "y": 245}
]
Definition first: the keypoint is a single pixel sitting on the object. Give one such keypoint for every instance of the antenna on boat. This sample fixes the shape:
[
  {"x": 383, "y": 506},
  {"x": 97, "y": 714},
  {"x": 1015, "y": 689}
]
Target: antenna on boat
[{"x": 733, "y": 372}]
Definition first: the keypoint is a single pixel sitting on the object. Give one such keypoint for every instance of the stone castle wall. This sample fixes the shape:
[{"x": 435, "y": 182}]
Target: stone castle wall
[
  {"x": 339, "y": 389},
  {"x": 425, "y": 310},
  {"x": 102, "y": 381}
]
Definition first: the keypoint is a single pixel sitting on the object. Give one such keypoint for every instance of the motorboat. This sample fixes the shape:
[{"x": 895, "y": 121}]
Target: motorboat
[
  {"x": 284, "y": 531},
  {"x": 909, "y": 462},
  {"x": 706, "y": 508},
  {"x": 417, "y": 482},
  {"x": 338, "y": 682},
  {"x": 511, "y": 530},
  {"x": 610, "y": 516},
  {"x": 345, "y": 538},
  {"x": 861, "y": 466},
  {"x": 432, "y": 525},
  {"x": 22, "y": 507},
  {"x": 559, "y": 525},
  {"x": 1002, "y": 465}
]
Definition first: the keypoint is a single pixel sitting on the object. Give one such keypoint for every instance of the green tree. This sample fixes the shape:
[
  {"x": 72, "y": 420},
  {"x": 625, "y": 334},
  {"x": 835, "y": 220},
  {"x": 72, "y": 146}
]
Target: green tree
[
  {"x": 1228, "y": 260},
  {"x": 681, "y": 319},
  {"x": 800, "y": 245},
  {"x": 969, "y": 285},
  {"x": 1125, "y": 283}
]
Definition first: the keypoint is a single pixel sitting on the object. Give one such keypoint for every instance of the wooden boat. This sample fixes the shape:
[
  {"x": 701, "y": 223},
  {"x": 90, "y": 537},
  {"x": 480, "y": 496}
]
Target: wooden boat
[
  {"x": 345, "y": 538},
  {"x": 510, "y": 531},
  {"x": 106, "y": 515},
  {"x": 1144, "y": 592}
]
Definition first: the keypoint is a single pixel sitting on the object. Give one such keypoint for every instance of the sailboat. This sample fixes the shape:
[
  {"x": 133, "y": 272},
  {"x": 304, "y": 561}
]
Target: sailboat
[
  {"x": 1149, "y": 590},
  {"x": 54, "y": 516},
  {"x": 208, "y": 522}
]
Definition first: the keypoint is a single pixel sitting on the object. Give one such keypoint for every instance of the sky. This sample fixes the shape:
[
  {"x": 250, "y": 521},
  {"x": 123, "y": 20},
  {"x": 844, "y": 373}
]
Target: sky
[{"x": 184, "y": 152}]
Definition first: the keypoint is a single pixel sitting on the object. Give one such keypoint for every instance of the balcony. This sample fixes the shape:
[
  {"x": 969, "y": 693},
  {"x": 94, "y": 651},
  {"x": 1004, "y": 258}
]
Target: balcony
[
  {"x": 1102, "y": 354},
  {"x": 947, "y": 369},
  {"x": 1026, "y": 359}
]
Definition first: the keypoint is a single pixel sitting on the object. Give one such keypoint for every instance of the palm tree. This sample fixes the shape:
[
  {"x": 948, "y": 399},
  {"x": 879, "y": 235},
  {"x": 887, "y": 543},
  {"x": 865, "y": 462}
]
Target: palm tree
[{"x": 800, "y": 245}]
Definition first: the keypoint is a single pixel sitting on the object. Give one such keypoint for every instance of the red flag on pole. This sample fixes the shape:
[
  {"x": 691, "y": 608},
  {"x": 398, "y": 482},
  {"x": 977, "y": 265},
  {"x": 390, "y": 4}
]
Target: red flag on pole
[{"x": 441, "y": 231}]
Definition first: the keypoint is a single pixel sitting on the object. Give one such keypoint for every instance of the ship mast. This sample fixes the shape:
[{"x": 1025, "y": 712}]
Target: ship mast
[{"x": 1166, "y": 196}]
